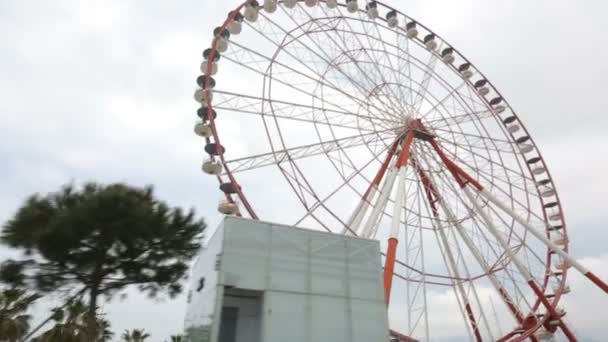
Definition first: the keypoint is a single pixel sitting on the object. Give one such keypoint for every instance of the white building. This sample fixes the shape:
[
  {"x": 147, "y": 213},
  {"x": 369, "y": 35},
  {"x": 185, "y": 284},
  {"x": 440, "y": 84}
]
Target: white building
[{"x": 262, "y": 282}]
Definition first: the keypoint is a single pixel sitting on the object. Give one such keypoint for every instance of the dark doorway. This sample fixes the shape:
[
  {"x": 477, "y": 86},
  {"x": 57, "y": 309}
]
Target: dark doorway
[{"x": 228, "y": 324}]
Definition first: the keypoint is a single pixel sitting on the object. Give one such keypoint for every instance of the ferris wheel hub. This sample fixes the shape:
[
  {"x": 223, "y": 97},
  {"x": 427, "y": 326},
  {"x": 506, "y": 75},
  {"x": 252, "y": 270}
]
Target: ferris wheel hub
[{"x": 416, "y": 126}]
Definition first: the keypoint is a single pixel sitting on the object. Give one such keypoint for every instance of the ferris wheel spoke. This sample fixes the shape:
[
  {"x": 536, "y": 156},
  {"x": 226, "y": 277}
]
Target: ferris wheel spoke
[
  {"x": 345, "y": 183},
  {"x": 446, "y": 185},
  {"x": 362, "y": 89},
  {"x": 305, "y": 151},
  {"x": 415, "y": 246},
  {"x": 517, "y": 262},
  {"x": 344, "y": 50},
  {"x": 515, "y": 173},
  {"x": 475, "y": 141},
  {"x": 249, "y": 104},
  {"x": 278, "y": 69},
  {"x": 335, "y": 106},
  {"x": 462, "y": 109},
  {"x": 495, "y": 213},
  {"x": 401, "y": 47},
  {"x": 318, "y": 81},
  {"x": 449, "y": 259},
  {"x": 397, "y": 73},
  {"x": 409, "y": 72},
  {"x": 490, "y": 144},
  {"x": 452, "y": 271},
  {"x": 459, "y": 119},
  {"x": 428, "y": 74},
  {"x": 441, "y": 102},
  {"x": 551, "y": 245},
  {"x": 348, "y": 46},
  {"x": 494, "y": 245},
  {"x": 378, "y": 60},
  {"x": 515, "y": 311},
  {"x": 491, "y": 179},
  {"x": 551, "y": 310}
]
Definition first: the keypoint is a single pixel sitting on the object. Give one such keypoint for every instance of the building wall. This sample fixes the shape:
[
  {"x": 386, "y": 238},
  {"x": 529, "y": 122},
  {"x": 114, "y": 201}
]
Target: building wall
[
  {"x": 202, "y": 297},
  {"x": 316, "y": 286}
]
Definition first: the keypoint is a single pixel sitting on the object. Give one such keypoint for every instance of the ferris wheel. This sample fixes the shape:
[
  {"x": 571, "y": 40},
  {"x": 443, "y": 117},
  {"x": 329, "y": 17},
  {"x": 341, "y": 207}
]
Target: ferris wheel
[{"x": 353, "y": 117}]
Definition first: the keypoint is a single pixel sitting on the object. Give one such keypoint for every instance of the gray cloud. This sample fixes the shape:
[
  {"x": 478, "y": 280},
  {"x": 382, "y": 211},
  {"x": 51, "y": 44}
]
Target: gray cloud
[{"x": 103, "y": 91}]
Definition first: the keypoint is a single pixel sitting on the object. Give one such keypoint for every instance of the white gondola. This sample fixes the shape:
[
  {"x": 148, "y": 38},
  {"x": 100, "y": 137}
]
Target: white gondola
[
  {"x": 544, "y": 335},
  {"x": 560, "y": 241},
  {"x": 199, "y": 95},
  {"x": 202, "y": 129},
  {"x": 251, "y": 13},
  {"x": 270, "y": 6},
  {"x": 410, "y": 30},
  {"x": 235, "y": 27},
  {"x": 331, "y": 3},
  {"x": 431, "y": 44},
  {"x": 483, "y": 91},
  {"x": 526, "y": 148},
  {"x": 227, "y": 208},
  {"x": 212, "y": 167},
  {"x": 203, "y": 96},
  {"x": 447, "y": 55},
  {"x": 513, "y": 128},
  {"x": 499, "y": 109},
  {"x": 352, "y": 6},
  {"x": 391, "y": 20},
  {"x": 538, "y": 170},
  {"x": 221, "y": 45},
  {"x": 290, "y": 3},
  {"x": 518, "y": 330},
  {"x": 555, "y": 217},
  {"x": 311, "y": 3},
  {"x": 466, "y": 74},
  {"x": 547, "y": 193},
  {"x": 565, "y": 290},
  {"x": 449, "y": 58},
  {"x": 204, "y": 67},
  {"x": 373, "y": 13}
]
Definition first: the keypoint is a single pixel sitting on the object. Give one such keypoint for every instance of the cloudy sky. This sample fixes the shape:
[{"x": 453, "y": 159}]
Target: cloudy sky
[{"x": 102, "y": 90}]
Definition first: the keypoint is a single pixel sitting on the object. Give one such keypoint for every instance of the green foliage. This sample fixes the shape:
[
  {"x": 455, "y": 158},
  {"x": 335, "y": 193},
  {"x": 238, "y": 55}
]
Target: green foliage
[
  {"x": 177, "y": 338},
  {"x": 75, "y": 323},
  {"x": 14, "y": 322},
  {"x": 135, "y": 335},
  {"x": 102, "y": 238},
  {"x": 12, "y": 273}
]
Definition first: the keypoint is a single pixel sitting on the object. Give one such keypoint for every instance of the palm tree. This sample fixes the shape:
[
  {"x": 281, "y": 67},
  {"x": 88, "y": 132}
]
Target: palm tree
[
  {"x": 178, "y": 338},
  {"x": 104, "y": 334},
  {"x": 135, "y": 335},
  {"x": 14, "y": 322},
  {"x": 75, "y": 323}
]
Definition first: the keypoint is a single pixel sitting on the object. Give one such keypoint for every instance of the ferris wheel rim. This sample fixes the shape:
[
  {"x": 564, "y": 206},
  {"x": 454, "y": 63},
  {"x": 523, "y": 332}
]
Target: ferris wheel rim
[{"x": 535, "y": 150}]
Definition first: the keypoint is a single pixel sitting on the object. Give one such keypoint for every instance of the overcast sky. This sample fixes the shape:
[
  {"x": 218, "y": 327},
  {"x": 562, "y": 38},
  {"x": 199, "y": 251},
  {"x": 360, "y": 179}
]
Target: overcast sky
[{"x": 102, "y": 90}]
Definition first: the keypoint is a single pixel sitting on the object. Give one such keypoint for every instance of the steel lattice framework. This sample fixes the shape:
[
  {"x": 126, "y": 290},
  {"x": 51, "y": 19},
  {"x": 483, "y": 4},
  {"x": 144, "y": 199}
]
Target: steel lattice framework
[{"x": 383, "y": 130}]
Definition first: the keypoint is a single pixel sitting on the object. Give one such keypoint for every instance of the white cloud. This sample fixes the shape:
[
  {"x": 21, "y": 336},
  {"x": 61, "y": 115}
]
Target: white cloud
[{"x": 103, "y": 90}]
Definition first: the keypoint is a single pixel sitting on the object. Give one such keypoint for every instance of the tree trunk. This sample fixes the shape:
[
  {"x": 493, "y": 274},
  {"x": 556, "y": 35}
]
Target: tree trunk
[
  {"x": 97, "y": 278},
  {"x": 93, "y": 294}
]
